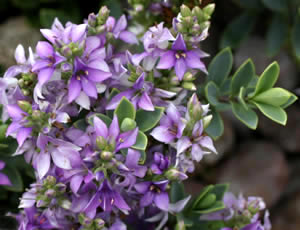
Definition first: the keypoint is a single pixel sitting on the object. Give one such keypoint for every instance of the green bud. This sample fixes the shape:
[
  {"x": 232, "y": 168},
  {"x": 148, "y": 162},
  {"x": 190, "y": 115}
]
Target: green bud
[
  {"x": 50, "y": 180},
  {"x": 187, "y": 22},
  {"x": 25, "y": 106},
  {"x": 180, "y": 225},
  {"x": 128, "y": 124},
  {"x": 204, "y": 25},
  {"x": 206, "y": 121},
  {"x": 36, "y": 115},
  {"x": 66, "y": 204},
  {"x": 189, "y": 86},
  {"x": 185, "y": 11},
  {"x": 26, "y": 92},
  {"x": 197, "y": 11},
  {"x": 106, "y": 155},
  {"x": 207, "y": 201},
  {"x": 102, "y": 15},
  {"x": 188, "y": 77},
  {"x": 173, "y": 174},
  {"x": 100, "y": 223},
  {"x": 209, "y": 9},
  {"x": 21, "y": 82},
  {"x": 194, "y": 107},
  {"x": 101, "y": 142}
]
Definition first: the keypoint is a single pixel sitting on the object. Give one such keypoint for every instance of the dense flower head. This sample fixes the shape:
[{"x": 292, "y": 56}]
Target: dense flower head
[{"x": 107, "y": 130}]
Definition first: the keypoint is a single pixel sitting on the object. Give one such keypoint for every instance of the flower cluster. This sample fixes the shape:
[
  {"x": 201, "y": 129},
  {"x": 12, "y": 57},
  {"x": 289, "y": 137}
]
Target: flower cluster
[{"x": 107, "y": 130}]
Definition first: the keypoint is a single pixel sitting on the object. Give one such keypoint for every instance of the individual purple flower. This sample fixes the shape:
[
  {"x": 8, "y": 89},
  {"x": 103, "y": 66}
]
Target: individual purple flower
[
  {"x": 33, "y": 220},
  {"x": 107, "y": 198},
  {"x": 181, "y": 58},
  {"x": 199, "y": 143},
  {"x": 46, "y": 65},
  {"x": 114, "y": 139},
  {"x": 85, "y": 79},
  {"x": 160, "y": 164},
  {"x": 171, "y": 126},
  {"x": 118, "y": 29},
  {"x": 3, "y": 178},
  {"x": 154, "y": 192},
  {"x": 18, "y": 124},
  {"x": 64, "y": 154},
  {"x": 157, "y": 37},
  {"x": 137, "y": 95}
]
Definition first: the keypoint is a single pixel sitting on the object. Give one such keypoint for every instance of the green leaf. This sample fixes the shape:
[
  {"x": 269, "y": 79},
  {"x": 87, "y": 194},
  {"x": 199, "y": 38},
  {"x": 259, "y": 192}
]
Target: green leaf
[
  {"x": 242, "y": 77},
  {"x": 276, "y": 5},
  {"x": 146, "y": 120},
  {"x": 125, "y": 109},
  {"x": 80, "y": 124},
  {"x": 238, "y": 30},
  {"x": 103, "y": 117},
  {"x": 267, "y": 79},
  {"x": 216, "y": 126},
  {"x": 177, "y": 192},
  {"x": 217, "y": 206},
  {"x": 219, "y": 190},
  {"x": 247, "y": 116},
  {"x": 276, "y": 114},
  {"x": 212, "y": 93},
  {"x": 241, "y": 98},
  {"x": 14, "y": 177},
  {"x": 202, "y": 194},
  {"x": 220, "y": 67},
  {"x": 143, "y": 157},
  {"x": 291, "y": 100},
  {"x": 296, "y": 36},
  {"x": 274, "y": 96},
  {"x": 141, "y": 141},
  {"x": 276, "y": 35}
]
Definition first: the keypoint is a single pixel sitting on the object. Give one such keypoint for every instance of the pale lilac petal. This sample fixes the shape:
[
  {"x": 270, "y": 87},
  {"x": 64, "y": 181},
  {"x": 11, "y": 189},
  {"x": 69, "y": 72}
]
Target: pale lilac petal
[
  {"x": 137, "y": 58},
  {"x": 132, "y": 158},
  {"x": 116, "y": 99},
  {"x": 4, "y": 180},
  {"x": 42, "y": 164},
  {"x": 118, "y": 225},
  {"x": 76, "y": 182},
  {"x": 207, "y": 142},
  {"x": 96, "y": 75},
  {"x": 99, "y": 64},
  {"x": 40, "y": 64},
  {"x": 15, "y": 112},
  {"x": 147, "y": 199},
  {"x": 80, "y": 202},
  {"x": 163, "y": 134},
  {"x": 197, "y": 153},
  {"x": 142, "y": 187},
  {"x": 49, "y": 35},
  {"x": 180, "y": 68},
  {"x": 13, "y": 127},
  {"x": 114, "y": 128},
  {"x": 145, "y": 102},
  {"x": 61, "y": 159},
  {"x": 121, "y": 25},
  {"x": 83, "y": 100},
  {"x": 78, "y": 32},
  {"x": 128, "y": 139},
  {"x": 183, "y": 144},
  {"x": 45, "y": 75},
  {"x": 128, "y": 37},
  {"x": 100, "y": 127},
  {"x": 44, "y": 49},
  {"x": 120, "y": 202},
  {"x": 161, "y": 200},
  {"x": 42, "y": 141},
  {"x": 179, "y": 43},
  {"x": 167, "y": 60},
  {"x": 2, "y": 165},
  {"x": 139, "y": 82},
  {"x": 179, "y": 205},
  {"x": 62, "y": 117},
  {"x": 193, "y": 61},
  {"x": 89, "y": 88},
  {"x": 110, "y": 23},
  {"x": 173, "y": 113},
  {"x": 23, "y": 134},
  {"x": 91, "y": 44},
  {"x": 20, "y": 54},
  {"x": 98, "y": 54},
  {"x": 74, "y": 89}
]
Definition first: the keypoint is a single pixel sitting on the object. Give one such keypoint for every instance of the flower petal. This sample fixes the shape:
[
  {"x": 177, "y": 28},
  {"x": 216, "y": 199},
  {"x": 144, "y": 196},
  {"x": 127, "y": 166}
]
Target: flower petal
[
  {"x": 20, "y": 54},
  {"x": 183, "y": 144},
  {"x": 61, "y": 159},
  {"x": 76, "y": 182},
  {"x": 128, "y": 139},
  {"x": 100, "y": 127},
  {"x": 145, "y": 102},
  {"x": 74, "y": 89},
  {"x": 179, "y": 43},
  {"x": 180, "y": 68},
  {"x": 15, "y": 112},
  {"x": 147, "y": 199},
  {"x": 121, "y": 25},
  {"x": 161, "y": 200},
  {"x": 44, "y": 49},
  {"x": 207, "y": 142},
  {"x": 162, "y": 134},
  {"x": 23, "y": 134},
  {"x": 42, "y": 164},
  {"x": 193, "y": 61},
  {"x": 4, "y": 180},
  {"x": 167, "y": 60},
  {"x": 96, "y": 75},
  {"x": 78, "y": 32},
  {"x": 49, "y": 35},
  {"x": 114, "y": 129},
  {"x": 89, "y": 88},
  {"x": 45, "y": 75},
  {"x": 128, "y": 37},
  {"x": 83, "y": 100}
]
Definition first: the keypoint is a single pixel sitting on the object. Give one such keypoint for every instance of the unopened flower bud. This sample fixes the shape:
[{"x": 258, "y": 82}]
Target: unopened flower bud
[
  {"x": 50, "y": 180},
  {"x": 100, "y": 29},
  {"x": 25, "y": 106},
  {"x": 185, "y": 11},
  {"x": 204, "y": 25},
  {"x": 106, "y": 155},
  {"x": 188, "y": 76},
  {"x": 197, "y": 11},
  {"x": 174, "y": 174},
  {"x": 99, "y": 223},
  {"x": 128, "y": 124},
  {"x": 50, "y": 193},
  {"x": 189, "y": 86},
  {"x": 101, "y": 142},
  {"x": 66, "y": 204},
  {"x": 92, "y": 20},
  {"x": 206, "y": 121},
  {"x": 102, "y": 15},
  {"x": 194, "y": 107},
  {"x": 209, "y": 9}
]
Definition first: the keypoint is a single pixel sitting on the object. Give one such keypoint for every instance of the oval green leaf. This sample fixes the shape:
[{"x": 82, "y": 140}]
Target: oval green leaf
[
  {"x": 146, "y": 120},
  {"x": 274, "y": 96},
  {"x": 141, "y": 141},
  {"x": 247, "y": 116},
  {"x": 125, "y": 109},
  {"x": 276, "y": 114}
]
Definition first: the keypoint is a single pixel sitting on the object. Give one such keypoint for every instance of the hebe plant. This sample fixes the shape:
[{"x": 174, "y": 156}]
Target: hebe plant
[{"x": 111, "y": 132}]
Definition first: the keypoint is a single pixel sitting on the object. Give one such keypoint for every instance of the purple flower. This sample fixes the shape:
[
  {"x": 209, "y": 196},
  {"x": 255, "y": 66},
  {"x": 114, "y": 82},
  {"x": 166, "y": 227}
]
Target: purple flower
[
  {"x": 85, "y": 79},
  {"x": 106, "y": 198},
  {"x": 46, "y": 65},
  {"x": 154, "y": 192},
  {"x": 137, "y": 95},
  {"x": 160, "y": 164},
  {"x": 198, "y": 143},
  {"x": 33, "y": 220},
  {"x": 3, "y": 178},
  {"x": 64, "y": 154},
  {"x": 114, "y": 139},
  {"x": 118, "y": 30},
  {"x": 171, "y": 126},
  {"x": 181, "y": 58}
]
